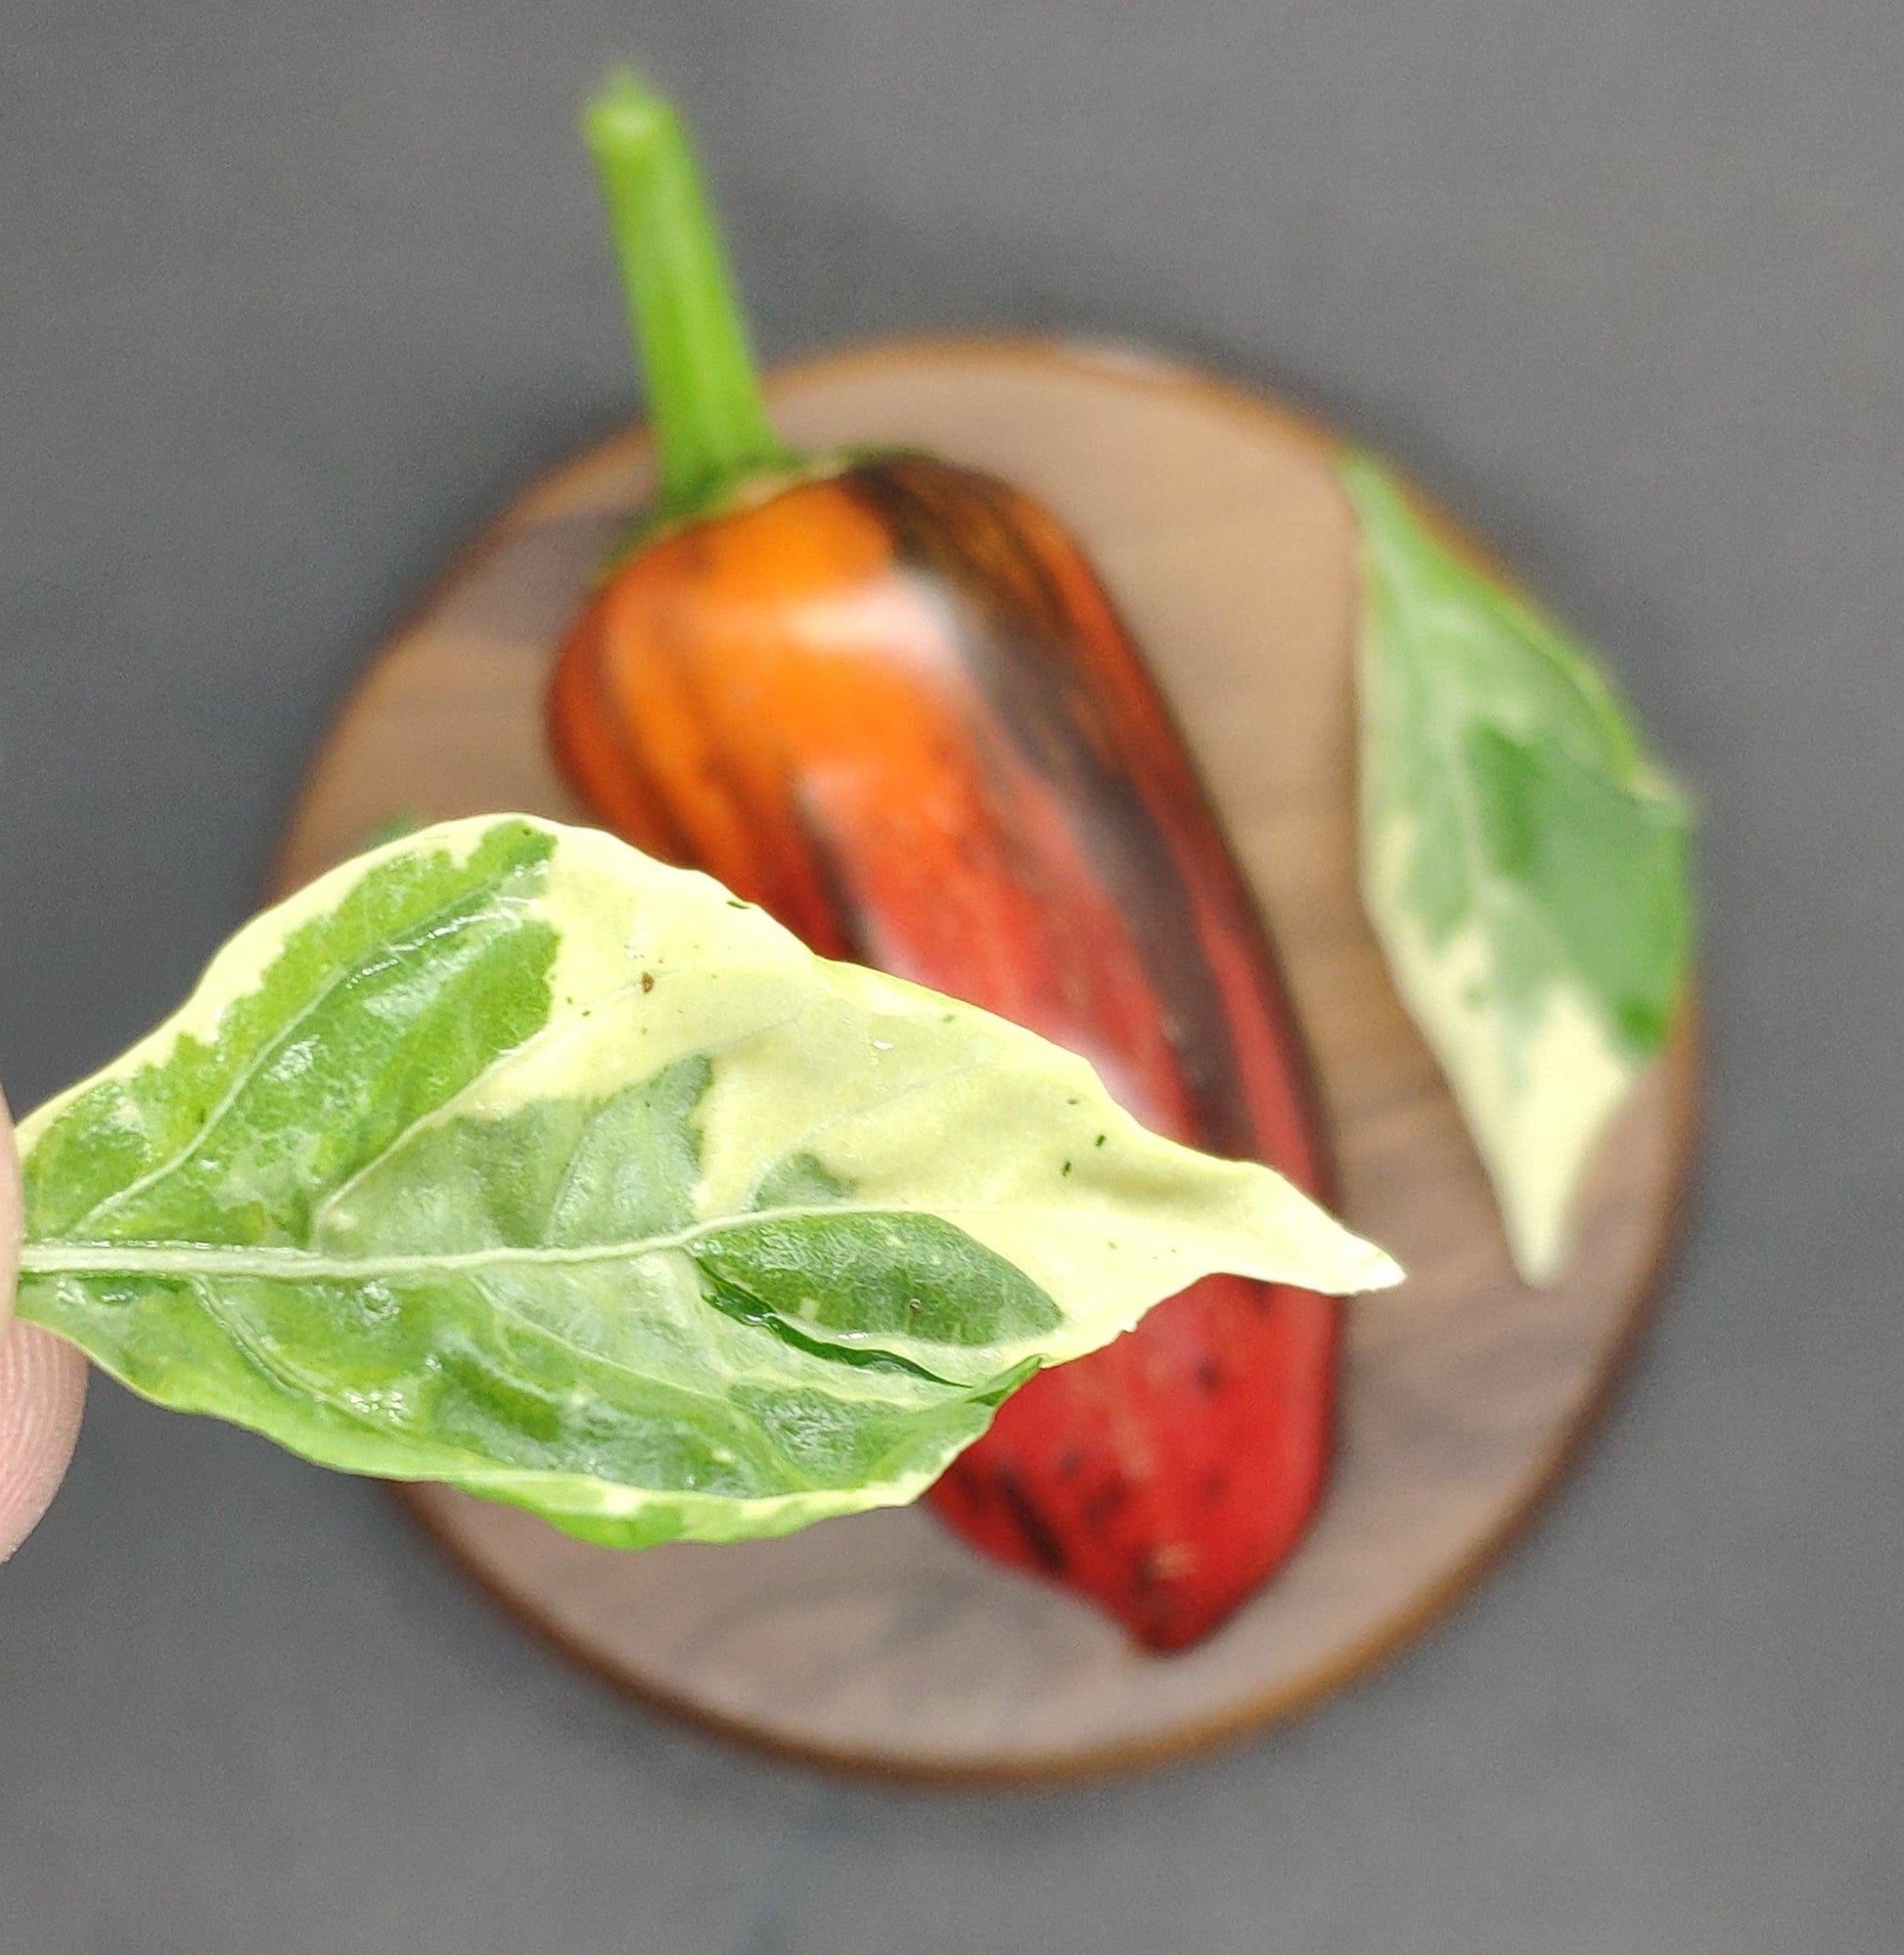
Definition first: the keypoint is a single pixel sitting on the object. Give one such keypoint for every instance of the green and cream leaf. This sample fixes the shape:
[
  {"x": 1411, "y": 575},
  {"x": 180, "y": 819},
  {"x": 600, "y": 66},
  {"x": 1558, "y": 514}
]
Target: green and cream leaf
[
  {"x": 1524, "y": 860},
  {"x": 506, "y": 1156}
]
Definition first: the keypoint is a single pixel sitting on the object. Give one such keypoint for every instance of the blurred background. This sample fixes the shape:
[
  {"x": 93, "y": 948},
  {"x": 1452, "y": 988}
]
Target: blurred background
[{"x": 290, "y": 301}]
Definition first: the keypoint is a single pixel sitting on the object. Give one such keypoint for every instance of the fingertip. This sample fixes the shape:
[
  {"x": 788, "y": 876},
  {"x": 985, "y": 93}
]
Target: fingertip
[
  {"x": 42, "y": 1382},
  {"x": 43, "y": 1394}
]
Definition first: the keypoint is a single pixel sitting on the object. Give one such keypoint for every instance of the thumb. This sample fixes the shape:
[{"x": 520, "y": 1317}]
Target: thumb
[{"x": 42, "y": 1381}]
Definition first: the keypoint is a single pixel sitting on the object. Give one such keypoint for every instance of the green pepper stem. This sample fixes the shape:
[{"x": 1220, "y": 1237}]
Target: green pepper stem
[{"x": 704, "y": 395}]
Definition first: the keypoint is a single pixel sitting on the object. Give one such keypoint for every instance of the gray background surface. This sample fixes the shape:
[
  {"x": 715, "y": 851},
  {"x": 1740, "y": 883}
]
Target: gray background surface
[{"x": 290, "y": 298}]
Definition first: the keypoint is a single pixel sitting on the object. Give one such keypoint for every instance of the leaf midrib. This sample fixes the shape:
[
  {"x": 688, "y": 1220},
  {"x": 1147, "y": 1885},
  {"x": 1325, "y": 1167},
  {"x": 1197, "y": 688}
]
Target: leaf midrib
[{"x": 290, "y": 1264}]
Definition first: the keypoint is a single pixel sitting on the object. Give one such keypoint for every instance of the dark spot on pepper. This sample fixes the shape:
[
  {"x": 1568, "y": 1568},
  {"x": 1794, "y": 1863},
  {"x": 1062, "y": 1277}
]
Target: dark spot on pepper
[
  {"x": 1046, "y": 1548},
  {"x": 1210, "y": 1376},
  {"x": 1103, "y": 1506},
  {"x": 648, "y": 981},
  {"x": 1069, "y": 1462}
]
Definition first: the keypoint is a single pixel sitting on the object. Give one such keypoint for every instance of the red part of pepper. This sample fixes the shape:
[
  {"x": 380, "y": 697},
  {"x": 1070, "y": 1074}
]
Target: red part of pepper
[{"x": 888, "y": 699}]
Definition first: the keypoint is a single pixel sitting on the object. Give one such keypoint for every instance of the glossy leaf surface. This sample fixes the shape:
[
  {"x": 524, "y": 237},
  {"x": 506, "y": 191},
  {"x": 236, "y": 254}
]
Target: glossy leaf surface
[{"x": 507, "y": 1156}]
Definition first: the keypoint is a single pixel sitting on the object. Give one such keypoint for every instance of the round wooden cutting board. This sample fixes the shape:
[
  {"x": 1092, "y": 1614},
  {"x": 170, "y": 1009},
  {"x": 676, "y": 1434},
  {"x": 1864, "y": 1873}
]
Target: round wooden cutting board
[{"x": 880, "y": 1642}]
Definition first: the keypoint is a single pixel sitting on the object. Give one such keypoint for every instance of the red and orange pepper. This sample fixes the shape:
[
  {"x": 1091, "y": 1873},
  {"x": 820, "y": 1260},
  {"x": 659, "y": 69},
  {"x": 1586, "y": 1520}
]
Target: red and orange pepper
[{"x": 888, "y": 699}]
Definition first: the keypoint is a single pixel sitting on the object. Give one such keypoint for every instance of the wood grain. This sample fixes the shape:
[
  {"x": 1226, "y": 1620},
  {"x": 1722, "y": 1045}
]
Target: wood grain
[{"x": 878, "y": 1642}]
